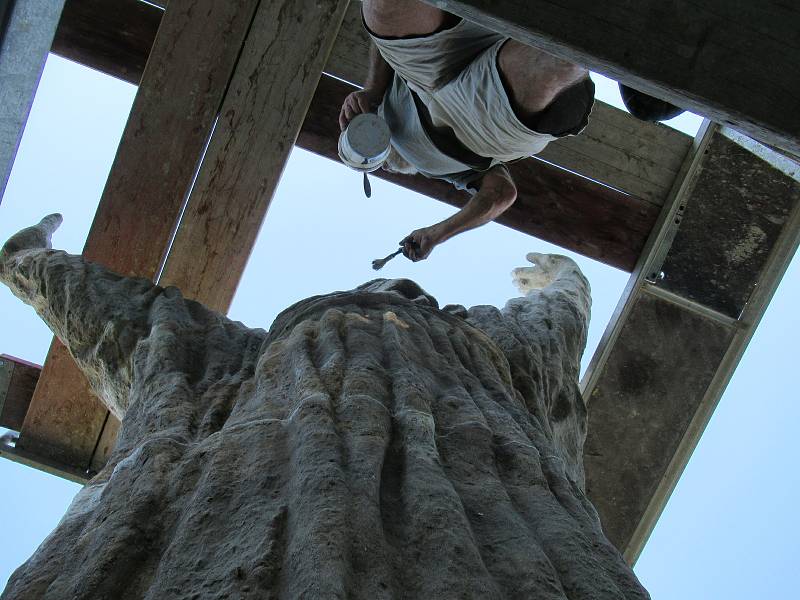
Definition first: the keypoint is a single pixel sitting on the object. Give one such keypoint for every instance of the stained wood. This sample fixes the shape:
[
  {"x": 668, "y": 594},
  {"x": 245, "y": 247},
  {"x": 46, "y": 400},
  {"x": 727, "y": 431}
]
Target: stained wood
[
  {"x": 112, "y": 37},
  {"x": 64, "y": 418},
  {"x": 281, "y": 64},
  {"x": 553, "y": 205},
  {"x": 170, "y": 121},
  {"x": 733, "y": 61},
  {"x": 17, "y": 381},
  {"x": 641, "y": 159},
  {"x": 105, "y": 445}
]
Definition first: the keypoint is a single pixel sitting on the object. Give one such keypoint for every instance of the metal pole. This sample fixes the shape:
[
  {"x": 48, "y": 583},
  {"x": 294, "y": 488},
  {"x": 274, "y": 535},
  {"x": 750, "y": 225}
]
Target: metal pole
[{"x": 25, "y": 38}]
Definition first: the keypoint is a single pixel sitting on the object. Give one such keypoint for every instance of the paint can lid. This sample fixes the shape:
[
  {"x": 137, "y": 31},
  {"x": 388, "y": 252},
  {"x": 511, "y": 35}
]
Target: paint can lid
[{"x": 364, "y": 145}]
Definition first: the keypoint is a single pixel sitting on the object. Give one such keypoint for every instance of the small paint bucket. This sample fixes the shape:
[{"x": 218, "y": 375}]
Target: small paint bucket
[{"x": 364, "y": 145}]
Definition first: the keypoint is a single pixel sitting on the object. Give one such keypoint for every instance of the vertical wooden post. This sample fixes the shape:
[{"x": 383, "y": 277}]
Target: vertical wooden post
[
  {"x": 270, "y": 92},
  {"x": 186, "y": 77}
]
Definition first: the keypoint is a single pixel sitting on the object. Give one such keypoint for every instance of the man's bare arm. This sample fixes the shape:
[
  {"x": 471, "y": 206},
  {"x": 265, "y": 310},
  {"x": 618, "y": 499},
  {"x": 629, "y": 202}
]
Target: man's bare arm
[
  {"x": 367, "y": 100},
  {"x": 496, "y": 195}
]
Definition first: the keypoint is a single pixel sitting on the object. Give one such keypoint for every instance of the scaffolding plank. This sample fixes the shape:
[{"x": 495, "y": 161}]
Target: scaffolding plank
[
  {"x": 641, "y": 159},
  {"x": 669, "y": 354},
  {"x": 172, "y": 115},
  {"x": 657, "y": 373},
  {"x": 553, "y": 205},
  {"x": 730, "y": 60},
  {"x": 64, "y": 418}
]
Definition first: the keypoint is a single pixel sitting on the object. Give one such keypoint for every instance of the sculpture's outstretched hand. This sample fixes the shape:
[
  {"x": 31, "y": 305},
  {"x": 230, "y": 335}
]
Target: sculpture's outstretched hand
[
  {"x": 545, "y": 270},
  {"x": 32, "y": 238}
]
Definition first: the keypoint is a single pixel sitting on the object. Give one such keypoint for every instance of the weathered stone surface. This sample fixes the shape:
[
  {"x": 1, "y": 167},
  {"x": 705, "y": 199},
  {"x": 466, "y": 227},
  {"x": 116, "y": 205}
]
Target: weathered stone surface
[{"x": 370, "y": 445}]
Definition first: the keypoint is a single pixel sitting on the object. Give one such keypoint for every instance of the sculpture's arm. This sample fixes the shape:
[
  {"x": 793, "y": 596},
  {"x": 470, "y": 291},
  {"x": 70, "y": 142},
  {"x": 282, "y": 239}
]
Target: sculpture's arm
[
  {"x": 555, "y": 306},
  {"x": 99, "y": 315},
  {"x": 542, "y": 335}
]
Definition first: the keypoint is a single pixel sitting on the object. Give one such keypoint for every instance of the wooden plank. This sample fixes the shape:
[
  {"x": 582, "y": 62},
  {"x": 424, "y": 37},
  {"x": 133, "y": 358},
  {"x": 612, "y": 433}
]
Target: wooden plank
[
  {"x": 553, "y": 205},
  {"x": 114, "y": 38},
  {"x": 64, "y": 418},
  {"x": 10, "y": 451},
  {"x": 105, "y": 445},
  {"x": 17, "y": 381},
  {"x": 641, "y": 159},
  {"x": 269, "y": 94},
  {"x": 732, "y": 61},
  {"x": 170, "y": 121},
  {"x": 616, "y": 149}
]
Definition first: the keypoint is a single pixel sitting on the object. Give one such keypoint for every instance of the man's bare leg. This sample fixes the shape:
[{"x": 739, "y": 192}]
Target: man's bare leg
[
  {"x": 534, "y": 78},
  {"x": 402, "y": 18}
]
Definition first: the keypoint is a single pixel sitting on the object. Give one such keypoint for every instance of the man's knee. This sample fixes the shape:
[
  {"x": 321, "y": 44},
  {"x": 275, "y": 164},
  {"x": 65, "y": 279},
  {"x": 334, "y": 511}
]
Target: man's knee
[
  {"x": 533, "y": 78},
  {"x": 403, "y": 18}
]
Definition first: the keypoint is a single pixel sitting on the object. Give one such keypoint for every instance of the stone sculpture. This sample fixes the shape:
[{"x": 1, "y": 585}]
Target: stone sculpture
[{"x": 369, "y": 445}]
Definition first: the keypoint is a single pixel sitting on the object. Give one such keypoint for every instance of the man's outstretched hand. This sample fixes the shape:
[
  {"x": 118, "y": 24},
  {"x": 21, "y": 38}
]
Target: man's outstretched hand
[
  {"x": 419, "y": 244},
  {"x": 545, "y": 270},
  {"x": 362, "y": 101}
]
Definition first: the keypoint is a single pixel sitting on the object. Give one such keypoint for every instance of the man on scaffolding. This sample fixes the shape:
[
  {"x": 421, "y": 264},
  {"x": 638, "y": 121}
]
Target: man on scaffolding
[{"x": 461, "y": 101}]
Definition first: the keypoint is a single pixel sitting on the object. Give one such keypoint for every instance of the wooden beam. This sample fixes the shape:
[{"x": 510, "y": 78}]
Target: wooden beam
[
  {"x": 733, "y": 61},
  {"x": 112, "y": 37},
  {"x": 274, "y": 82},
  {"x": 714, "y": 261},
  {"x": 170, "y": 121},
  {"x": 641, "y": 159},
  {"x": 10, "y": 451},
  {"x": 553, "y": 205},
  {"x": 17, "y": 381}
]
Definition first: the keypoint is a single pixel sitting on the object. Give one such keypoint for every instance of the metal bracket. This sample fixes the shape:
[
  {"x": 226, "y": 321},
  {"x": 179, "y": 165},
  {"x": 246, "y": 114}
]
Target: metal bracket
[
  {"x": 680, "y": 197},
  {"x": 654, "y": 273}
]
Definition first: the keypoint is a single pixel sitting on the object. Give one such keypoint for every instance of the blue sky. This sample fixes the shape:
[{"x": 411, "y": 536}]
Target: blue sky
[{"x": 729, "y": 528}]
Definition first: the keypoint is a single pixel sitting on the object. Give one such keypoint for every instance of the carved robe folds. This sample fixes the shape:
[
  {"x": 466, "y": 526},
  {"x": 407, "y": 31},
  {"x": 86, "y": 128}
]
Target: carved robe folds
[{"x": 370, "y": 445}]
